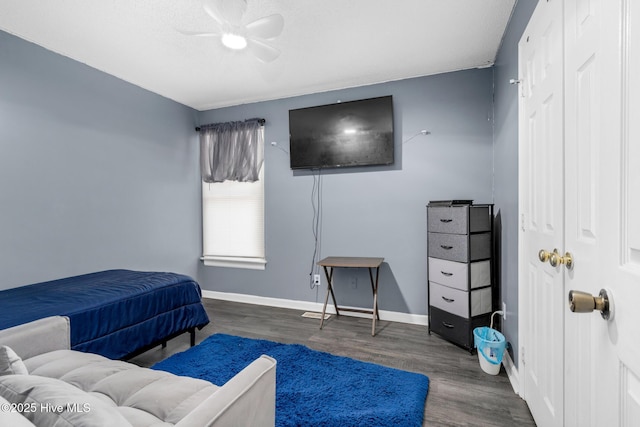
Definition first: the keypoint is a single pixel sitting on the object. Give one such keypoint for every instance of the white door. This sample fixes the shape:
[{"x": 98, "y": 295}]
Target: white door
[
  {"x": 603, "y": 220},
  {"x": 541, "y": 210},
  {"x": 601, "y": 180},
  {"x": 592, "y": 139},
  {"x": 622, "y": 262}
]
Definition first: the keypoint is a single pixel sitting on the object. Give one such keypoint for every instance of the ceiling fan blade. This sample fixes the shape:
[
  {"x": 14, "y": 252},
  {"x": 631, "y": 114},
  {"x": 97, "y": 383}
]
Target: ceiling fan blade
[
  {"x": 232, "y": 10},
  {"x": 198, "y": 33},
  {"x": 225, "y": 11},
  {"x": 211, "y": 7},
  {"x": 266, "y": 28},
  {"x": 262, "y": 51}
]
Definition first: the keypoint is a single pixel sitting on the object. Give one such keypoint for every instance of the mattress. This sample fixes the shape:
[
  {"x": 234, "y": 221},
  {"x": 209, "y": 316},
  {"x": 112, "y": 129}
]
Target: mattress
[{"x": 113, "y": 313}]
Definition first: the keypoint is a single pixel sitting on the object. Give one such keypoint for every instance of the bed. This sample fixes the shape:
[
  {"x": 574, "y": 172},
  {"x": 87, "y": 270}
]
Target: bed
[{"x": 115, "y": 313}]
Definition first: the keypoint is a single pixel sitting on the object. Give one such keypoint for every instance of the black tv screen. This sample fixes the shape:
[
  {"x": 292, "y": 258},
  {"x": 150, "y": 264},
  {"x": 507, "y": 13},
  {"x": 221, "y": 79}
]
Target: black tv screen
[{"x": 355, "y": 133}]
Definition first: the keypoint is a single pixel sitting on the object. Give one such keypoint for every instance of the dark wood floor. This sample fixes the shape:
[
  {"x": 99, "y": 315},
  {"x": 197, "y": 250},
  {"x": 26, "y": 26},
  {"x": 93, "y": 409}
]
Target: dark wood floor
[{"x": 460, "y": 393}]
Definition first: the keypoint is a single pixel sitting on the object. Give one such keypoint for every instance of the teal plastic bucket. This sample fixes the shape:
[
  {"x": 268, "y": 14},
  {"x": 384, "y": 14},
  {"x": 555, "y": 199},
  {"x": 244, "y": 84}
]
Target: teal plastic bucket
[{"x": 491, "y": 345}]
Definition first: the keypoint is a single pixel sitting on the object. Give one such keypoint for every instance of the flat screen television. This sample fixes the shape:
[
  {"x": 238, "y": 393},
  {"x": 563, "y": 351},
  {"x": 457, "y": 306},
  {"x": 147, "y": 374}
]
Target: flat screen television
[{"x": 355, "y": 133}]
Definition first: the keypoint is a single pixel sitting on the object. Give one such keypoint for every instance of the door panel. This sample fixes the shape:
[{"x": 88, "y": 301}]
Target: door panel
[
  {"x": 623, "y": 261},
  {"x": 630, "y": 398},
  {"x": 631, "y": 135},
  {"x": 584, "y": 72},
  {"x": 541, "y": 207}
]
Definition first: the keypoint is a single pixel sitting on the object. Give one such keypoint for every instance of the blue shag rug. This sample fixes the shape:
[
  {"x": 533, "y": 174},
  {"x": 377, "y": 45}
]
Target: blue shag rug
[{"x": 312, "y": 388}]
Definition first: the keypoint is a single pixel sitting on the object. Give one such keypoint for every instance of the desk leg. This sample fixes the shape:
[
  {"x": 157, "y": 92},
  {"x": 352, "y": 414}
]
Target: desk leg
[
  {"x": 374, "y": 289},
  {"x": 374, "y": 314},
  {"x": 329, "y": 275}
]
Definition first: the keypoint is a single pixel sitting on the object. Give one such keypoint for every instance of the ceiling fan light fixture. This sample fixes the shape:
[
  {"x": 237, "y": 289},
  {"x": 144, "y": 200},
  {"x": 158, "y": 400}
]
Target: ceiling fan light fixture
[
  {"x": 234, "y": 35},
  {"x": 234, "y": 41}
]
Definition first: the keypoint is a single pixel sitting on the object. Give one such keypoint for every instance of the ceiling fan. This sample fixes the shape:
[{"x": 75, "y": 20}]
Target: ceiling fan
[{"x": 254, "y": 36}]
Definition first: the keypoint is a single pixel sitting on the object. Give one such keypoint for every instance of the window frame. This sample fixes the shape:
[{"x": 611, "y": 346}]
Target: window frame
[{"x": 235, "y": 261}]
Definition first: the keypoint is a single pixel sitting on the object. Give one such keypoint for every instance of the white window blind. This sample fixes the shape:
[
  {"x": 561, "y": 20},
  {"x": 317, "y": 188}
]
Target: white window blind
[{"x": 233, "y": 223}]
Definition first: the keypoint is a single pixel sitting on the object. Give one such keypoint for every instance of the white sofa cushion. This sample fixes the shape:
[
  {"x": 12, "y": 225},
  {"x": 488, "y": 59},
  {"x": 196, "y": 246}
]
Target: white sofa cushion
[
  {"x": 54, "y": 403},
  {"x": 143, "y": 396},
  {"x": 247, "y": 399},
  {"x": 10, "y": 362}
]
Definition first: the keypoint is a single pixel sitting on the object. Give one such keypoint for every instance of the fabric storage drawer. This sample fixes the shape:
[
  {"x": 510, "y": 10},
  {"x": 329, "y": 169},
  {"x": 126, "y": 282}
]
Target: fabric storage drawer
[
  {"x": 460, "y": 275},
  {"x": 456, "y": 329},
  {"x": 453, "y": 327},
  {"x": 459, "y": 247},
  {"x": 453, "y": 247},
  {"x": 458, "y": 219},
  {"x": 449, "y": 273},
  {"x": 448, "y": 219},
  {"x": 449, "y": 299},
  {"x": 457, "y": 302}
]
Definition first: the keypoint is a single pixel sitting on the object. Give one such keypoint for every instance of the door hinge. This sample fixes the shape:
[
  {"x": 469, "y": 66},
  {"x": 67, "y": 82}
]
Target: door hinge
[
  {"x": 522, "y": 355},
  {"x": 522, "y": 222}
]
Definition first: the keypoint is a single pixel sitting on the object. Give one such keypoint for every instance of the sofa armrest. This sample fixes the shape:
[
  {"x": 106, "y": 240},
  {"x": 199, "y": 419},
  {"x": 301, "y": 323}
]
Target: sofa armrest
[
  {"x": 247, "y": 399},
  {"x": 37, "y": 337}
]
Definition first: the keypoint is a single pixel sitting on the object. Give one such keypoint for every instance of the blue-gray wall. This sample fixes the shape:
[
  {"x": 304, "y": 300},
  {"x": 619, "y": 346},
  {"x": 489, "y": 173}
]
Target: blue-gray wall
[
  {"x": 373, "y": 211},
  {"x": 505, "y": 183},
  {"x": 95, "y": 173}
]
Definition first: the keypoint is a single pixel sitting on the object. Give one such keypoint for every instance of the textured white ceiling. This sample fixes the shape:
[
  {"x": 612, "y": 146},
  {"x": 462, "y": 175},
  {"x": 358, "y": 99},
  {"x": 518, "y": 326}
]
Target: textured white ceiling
[{"x": 325, "y": 44}]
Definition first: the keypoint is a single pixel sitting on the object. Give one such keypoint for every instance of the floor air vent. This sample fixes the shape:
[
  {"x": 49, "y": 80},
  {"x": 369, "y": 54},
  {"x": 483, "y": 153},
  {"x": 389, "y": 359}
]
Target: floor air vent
[{"x": 314, "y": 315}]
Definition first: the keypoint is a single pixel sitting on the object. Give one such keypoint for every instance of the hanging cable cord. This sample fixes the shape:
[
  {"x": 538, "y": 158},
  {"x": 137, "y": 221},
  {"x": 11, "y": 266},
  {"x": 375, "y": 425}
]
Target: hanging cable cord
[{"x": 316, "y": 204}]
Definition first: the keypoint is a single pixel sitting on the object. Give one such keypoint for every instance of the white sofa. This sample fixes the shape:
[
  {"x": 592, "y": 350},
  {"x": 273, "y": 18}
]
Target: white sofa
[{"x": 68, "y": 388}]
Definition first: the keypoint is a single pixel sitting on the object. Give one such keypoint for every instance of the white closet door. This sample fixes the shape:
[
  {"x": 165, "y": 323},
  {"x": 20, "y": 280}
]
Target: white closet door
[
  {"x": 542, "y": 215},
  {"x": 599, "y": 177}
]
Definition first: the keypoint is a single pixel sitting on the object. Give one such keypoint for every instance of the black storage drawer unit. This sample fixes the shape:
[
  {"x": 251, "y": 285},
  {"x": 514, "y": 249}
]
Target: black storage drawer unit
[{"x": 460, "y": 253}]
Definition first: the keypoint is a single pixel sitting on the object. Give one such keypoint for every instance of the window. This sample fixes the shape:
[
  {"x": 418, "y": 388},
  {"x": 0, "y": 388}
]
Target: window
[{"x": 233, "y": 221}]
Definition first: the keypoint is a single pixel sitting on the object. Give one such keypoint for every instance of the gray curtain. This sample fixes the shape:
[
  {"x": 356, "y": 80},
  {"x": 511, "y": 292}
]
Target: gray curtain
[{"x": 230, "y": 151}]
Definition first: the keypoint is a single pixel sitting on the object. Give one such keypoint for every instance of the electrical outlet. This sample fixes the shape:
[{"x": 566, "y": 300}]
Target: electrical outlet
[
  {"x": 316, "y": 280},
  {"x": 504, "y": 310}
]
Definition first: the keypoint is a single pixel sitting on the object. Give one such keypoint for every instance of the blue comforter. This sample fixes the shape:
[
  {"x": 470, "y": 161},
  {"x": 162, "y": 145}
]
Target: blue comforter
[{"x": 113, "y": 313}]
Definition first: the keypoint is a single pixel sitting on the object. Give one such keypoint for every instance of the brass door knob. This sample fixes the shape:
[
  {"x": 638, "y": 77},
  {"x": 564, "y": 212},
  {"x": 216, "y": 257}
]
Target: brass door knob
[
  {"x": 584, "y": 302},
  {"x": 556, "y": 259},
  {"x": 544, "y": 255}
]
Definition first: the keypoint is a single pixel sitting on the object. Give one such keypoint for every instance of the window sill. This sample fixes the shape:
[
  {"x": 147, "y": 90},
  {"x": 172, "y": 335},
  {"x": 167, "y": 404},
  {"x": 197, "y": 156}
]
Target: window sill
[{"x": 234, "y": 262}]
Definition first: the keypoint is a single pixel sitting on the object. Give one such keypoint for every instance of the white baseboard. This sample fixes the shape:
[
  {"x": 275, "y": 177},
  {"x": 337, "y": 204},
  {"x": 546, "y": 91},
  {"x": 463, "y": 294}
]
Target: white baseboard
[
  {"x": 391, "y": 316},
  {"x": 512, "y": 372}
]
